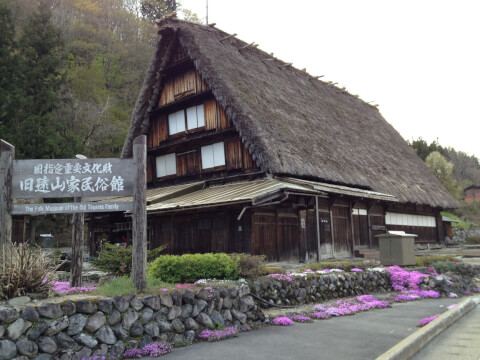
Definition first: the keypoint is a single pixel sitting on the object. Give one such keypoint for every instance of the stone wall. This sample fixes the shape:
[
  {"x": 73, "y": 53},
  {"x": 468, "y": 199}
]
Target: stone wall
[
  {"x": 316, "y": 288},
  {"x": 460, "y": 235},
  {"x": 73, "y": 330}
]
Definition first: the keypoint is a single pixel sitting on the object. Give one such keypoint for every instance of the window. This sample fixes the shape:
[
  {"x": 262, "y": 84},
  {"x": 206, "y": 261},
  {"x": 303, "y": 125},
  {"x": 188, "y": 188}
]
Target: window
[
  {"x": 409, "y": 220},
  {"x": 195, "y": 117},
  {"x": 176, "y": 122},
  {"x": 213, "y": 155},
  {"x": 166, "y": 165}
]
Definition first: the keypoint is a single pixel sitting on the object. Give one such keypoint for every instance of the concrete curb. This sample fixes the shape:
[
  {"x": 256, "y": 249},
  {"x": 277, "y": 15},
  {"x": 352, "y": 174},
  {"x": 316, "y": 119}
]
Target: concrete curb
[{"x": 409, "y": 346}]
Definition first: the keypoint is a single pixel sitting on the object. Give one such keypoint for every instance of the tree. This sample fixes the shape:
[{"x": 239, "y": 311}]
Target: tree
[
  {"x": 157, "y": 9},
  {"x": 442, "y": 169}
]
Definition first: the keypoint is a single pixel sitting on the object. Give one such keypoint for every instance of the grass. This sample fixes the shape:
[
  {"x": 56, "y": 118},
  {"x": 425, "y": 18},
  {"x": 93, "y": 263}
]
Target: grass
[
  {"x": 124, "y": 285},
  {"x": 460, "y": 224},
  {"x": 344, "y": 265},
  {"x": 428, "y": 260}
]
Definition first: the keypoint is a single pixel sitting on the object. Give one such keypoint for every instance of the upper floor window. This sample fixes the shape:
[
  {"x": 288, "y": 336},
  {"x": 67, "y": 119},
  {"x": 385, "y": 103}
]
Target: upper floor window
[
  {"x": 213, "y": 155},
  {"x": 190, "y": 118},
  {"x": 166, "y": 165}
]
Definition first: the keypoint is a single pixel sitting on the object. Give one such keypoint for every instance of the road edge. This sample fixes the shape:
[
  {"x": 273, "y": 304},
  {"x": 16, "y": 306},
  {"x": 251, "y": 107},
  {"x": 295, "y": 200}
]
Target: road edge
[{"x": 409, "y": 346}]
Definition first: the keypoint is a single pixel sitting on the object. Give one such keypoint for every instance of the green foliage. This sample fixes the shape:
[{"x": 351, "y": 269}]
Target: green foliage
[
  {"x": 157, "y": 9},
  {"x": 189, "y": 268},
  {"x": 428, "y": 260},
  {"x": 250, "y": 266},
  {"x": 443, "y": 267},
  {"x": 473, "y": 239},
  {"x": 469, "y": 213},
  {"x": 118, "y": 260},
  {"x": 265, "y": 270},
  {"x": 124, "y": 285},
  {"x": 344, "y": 265}
]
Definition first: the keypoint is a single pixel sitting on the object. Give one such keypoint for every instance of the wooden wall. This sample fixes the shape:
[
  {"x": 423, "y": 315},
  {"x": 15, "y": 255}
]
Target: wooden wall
[{"x": 180, "y": 85}]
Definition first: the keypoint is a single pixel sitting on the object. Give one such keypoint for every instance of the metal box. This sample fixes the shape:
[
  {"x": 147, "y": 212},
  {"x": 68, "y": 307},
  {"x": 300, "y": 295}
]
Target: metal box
[{"x": 397, "y": 248}]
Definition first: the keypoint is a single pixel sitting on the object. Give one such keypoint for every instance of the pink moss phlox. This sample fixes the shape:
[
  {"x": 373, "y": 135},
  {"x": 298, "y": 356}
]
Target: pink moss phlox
[
  {"x": 282, "y": 321},
  {"x": 405, "y": 297},
  {"x": 220, "y": 334},
  {"x": 308, "y": 271},
  {"x": 402, "y": 279},
  {"x": 184, "y": 286},
  {"x": 450, "y": 307},
  {"x": 164, "y": 289},
  {"x": 320, "y": 315},
  {"x": 452, "y": 295},
  {"x": 326, "y": 270},
  {"x": 425, "y": 294},
  {"x": 281, "y": 277},
  {"x": 62, "y": 287},
  {"x": 427, "y": 320},
  {"x": 301, "y": 318},
  {"x": 154, "y": 349},
  {"x": 356, "y": 270},
  {"x": 467, "y": 292}
]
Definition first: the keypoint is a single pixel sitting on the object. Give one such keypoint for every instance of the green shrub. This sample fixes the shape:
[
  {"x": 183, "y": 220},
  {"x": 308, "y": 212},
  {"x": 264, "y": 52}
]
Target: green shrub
[
  {"x": 428, "y": 260},
  {"x": 473, "y": 239},
  {"x": 442, "y": 267},
  {"x": 189, "y": 268},
  {"x": 118, "y": 260},
  {"x": 250, "y": 266},
  {"x": 265, "y": 270},
  {"x": 344, "y": 265}
]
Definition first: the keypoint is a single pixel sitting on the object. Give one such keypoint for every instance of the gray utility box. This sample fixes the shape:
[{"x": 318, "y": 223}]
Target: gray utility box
[{"x": 397, "y": 248}]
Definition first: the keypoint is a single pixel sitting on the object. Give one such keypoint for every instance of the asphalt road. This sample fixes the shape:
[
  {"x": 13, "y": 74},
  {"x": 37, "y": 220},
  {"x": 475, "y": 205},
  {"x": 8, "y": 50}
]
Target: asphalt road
[{"x": 362, "y": 336}]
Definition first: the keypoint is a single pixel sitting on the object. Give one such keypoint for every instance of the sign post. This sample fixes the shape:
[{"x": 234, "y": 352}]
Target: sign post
[
  {"x": 7, "y": 154},
  {"x": 139, "y": 221}
]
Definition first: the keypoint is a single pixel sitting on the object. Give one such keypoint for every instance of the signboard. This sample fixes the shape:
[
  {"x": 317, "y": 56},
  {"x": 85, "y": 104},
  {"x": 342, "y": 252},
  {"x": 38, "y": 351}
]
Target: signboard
[
  {"x": 71, "y": 208},
  {"x": 72, "y": 178}
]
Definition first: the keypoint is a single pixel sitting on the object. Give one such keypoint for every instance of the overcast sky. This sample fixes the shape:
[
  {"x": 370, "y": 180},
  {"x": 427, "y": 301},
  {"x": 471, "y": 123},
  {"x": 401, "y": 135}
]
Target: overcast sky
[{"x": 418, "y": 60}]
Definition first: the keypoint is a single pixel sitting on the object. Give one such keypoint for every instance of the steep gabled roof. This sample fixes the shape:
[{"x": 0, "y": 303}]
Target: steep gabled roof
[{"x": 292, "y": 123}]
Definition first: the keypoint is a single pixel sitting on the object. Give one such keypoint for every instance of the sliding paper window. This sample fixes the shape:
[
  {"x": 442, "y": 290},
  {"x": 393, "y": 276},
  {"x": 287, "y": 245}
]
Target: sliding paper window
[
  {"x": 176, "y": 122},
  {"x": 166, "y": 165},
  {"x": 195, "y": 117},
  {"x": 213, "y": 155}
]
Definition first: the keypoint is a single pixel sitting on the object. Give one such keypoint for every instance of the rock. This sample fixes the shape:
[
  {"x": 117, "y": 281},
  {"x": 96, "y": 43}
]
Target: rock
[
  {"x": 227, "y": 303},
  {"x": 166, "y": 300},
  {"x": 105, "y": 305},
  {"x": 243, "y": 290},
  {"x": 153, "y": 301},
  {"x": 8, "y": 315},
  {"x": 86, "y": 307},
  {"x": 132, "y": 344},
  {"x": 35, "y": 332},
  {"x": 114, "y": 318},
  {"x": 8, "y": 350},
  {"x": 117, "y": 349},
  {"x": 246, "y": 303},
  {"x": 120, "y": 332},
  {"x": 65, "y": 342},
  {"x": 178, "y": 340},
  {"x": 232, "y": 291},
  {"x": 83, "y": 353},
  {"x": 121, "y": 303},
  {"x": 69, "y": 308},
  {"x": 217, "y": 318},
  {"x": 227, "y": 315},
  {"x": 27, "y": 348},
  {"x": 47, "y": 345},
  {"x": 161, "y": 314},
  {"x": 129, "y": 318},
  {"x": 2, "y": 331},
  {"x": 17, "y": 328},
  {"x": 205, "y": 320},
  {"x": 95, "y": 322},
  {"x": 205, "y": 294},
  {"x": 19, "y": 301},
  {"x": 152, "y": 330},
  {"x": 239, "y": 316},
  {"x": 106, "y": 335},
  {"x": 57, "y": 326},
  {"x": 43, "y": 357},
  {"x": 164, "y": 326},
  {"x": 187, "y": 310},
  {"x": 102, "y": 350},
  {"x": 191, "y": 324},
  {"x": 174, "y": 312},
  {"x": 145, "y": 341},
  {"x": 51, "y": 311},
  {"x": 190, "y": 336},
  {"x": 177, "y": 298},
  {"x": 188, "y": 297},
  {"x": 178, "y": 326},
  {"x": 30, "y": 314},
  {"x": 65, "y": 356},
  {"x": 146, "y": 315},
  {"x": 86, "y": 340},
  {"x": 199, "y": 306},
  {"x": 136, "y": 330},
  {"x": 136, "y": 303},
  {"x": 77, "y": 324}
]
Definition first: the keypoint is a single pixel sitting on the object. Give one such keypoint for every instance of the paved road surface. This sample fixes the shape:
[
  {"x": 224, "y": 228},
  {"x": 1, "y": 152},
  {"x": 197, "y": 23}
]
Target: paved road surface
[{"x": 362, "y": 336}]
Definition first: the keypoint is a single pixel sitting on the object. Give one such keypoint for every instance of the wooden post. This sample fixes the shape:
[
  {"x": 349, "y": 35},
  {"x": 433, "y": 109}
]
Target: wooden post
[
  {"x": 139, "y": 221},
  {"x": 7, "y": 154},
  {"x": 77, "y": 248},
  {"x": 317, "y": 221}
]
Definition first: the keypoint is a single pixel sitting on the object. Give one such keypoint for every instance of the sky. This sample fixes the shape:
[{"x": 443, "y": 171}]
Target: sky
[{"x": 418, "y": 60}]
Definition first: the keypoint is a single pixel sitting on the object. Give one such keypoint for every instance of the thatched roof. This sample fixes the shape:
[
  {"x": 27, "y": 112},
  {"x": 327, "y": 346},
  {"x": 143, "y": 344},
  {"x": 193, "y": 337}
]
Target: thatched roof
[{"x": 292, "y": 123}]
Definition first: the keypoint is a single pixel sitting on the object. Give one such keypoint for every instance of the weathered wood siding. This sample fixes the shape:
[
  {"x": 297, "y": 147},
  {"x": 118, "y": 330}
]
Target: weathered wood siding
[{"x": 180, "y": 85}]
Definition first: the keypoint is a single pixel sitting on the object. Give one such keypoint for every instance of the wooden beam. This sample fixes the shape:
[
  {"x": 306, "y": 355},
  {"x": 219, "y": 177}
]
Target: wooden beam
[
  {"x": 331, "y": 225},
  {"x": 139, "y": 221},
  {"x": 228, "y": 37},
  {"x": 7, "y": 154},
  {"x": 317, "y": 223}
]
